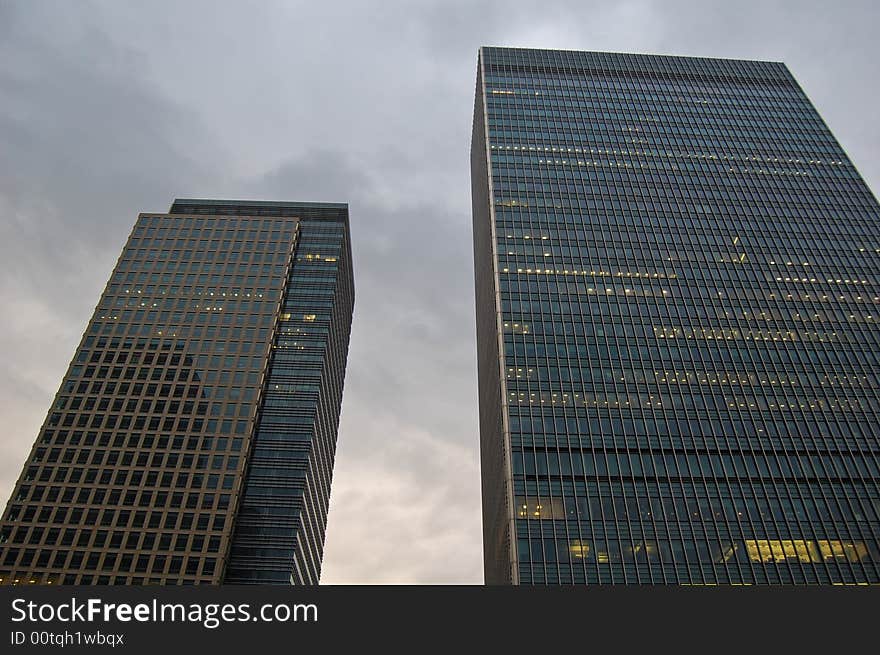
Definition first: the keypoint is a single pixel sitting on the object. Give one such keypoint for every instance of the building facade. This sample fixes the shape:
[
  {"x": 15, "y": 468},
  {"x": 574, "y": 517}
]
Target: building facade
[
  {"x": 192, "y": 439},
  {"x": 677, "y": 290}
]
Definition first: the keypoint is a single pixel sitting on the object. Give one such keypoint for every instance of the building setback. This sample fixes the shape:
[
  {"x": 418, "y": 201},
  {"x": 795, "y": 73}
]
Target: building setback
[
  {"x": 193, "y": 437},
  {"x": 677, "y": 296}
]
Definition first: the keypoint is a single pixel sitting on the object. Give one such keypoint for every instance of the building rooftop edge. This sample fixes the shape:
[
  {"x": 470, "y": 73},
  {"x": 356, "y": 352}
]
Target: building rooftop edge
[
  {"x": 630, "y": 54},
  {"x": 182, "y": 202}
]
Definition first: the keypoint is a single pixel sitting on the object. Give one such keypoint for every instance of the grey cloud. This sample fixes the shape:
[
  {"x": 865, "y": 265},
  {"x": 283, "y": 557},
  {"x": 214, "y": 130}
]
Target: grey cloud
[
  {"x": 85, "y": 143},
  {"x": 406, "y": 476}
]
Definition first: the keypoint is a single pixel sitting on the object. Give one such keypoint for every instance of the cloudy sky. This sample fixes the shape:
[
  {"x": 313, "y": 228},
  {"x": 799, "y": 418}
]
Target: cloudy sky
[{"x": 111, "y": 108}]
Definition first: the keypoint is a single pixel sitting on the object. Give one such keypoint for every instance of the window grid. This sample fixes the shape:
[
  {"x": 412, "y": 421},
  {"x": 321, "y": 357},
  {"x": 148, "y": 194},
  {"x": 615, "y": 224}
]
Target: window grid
[{"x": 686, "y": 269}]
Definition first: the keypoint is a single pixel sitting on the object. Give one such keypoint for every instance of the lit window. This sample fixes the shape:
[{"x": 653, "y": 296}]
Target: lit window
[
  {"x": 773, "y": 550},
  {"x": 579, "y": 549},
  {"x": 843, "y": 550}
]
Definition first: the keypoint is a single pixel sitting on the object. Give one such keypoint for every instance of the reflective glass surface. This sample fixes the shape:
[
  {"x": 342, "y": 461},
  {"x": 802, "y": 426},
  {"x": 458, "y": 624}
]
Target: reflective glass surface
[
  {"x": 677, "y": 303},
  {"x": 222, "y": 330}
]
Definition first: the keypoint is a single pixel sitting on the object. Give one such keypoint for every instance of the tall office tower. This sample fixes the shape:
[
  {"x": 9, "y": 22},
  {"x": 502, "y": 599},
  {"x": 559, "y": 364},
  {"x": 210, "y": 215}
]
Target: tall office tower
[
  {"x": 678, "y": 290},
  {"x": 193, "y": 437}
]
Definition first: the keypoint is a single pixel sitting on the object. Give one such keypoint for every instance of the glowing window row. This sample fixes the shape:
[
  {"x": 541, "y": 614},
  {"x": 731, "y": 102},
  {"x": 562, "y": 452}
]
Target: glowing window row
[
  {"x": 687, "y": 402},
  {"x": 810, "y": 379},
  {"x": 759, "y": 551},
  {"x": 657, "y": 153}
]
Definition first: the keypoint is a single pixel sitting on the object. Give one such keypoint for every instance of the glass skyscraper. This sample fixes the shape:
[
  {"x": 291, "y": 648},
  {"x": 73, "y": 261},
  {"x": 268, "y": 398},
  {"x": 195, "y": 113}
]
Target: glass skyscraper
[
  {"x": 193, "y": 437},
  {"x": 677, "y": 297}
]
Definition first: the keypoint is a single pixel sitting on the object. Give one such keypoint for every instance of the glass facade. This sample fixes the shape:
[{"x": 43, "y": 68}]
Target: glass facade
[
  {"x": 677, "y": 289},
  {"x": 283, "y": 511},
  {"x": 142, "y": 464}
]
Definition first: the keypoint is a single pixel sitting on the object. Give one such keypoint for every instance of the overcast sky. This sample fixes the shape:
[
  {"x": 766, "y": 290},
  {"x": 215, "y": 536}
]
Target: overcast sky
[{"x": 112, "y": 108}]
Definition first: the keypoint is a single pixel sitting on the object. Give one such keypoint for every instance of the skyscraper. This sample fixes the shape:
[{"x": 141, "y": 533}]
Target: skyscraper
[
  {"x": 193, "y": 437},
  {"x": 677, "y": 296}
]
